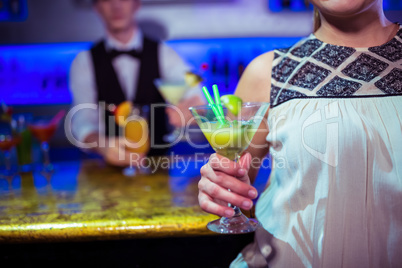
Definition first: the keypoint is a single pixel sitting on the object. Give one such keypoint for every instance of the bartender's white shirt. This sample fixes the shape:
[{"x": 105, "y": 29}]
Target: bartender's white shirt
[{"x": 83, "y": 84}]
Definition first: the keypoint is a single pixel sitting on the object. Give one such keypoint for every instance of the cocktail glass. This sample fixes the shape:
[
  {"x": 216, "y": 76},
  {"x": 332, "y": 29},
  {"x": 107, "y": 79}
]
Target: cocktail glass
[
  {"x": 230, "y": 139},
  {"x": 136, "y": 134},
  {"x": 172, "y": 92},
  {"x": 43, "y": 129},
  {"x": 8, "y": 140},
  {"x": 7, "y": 143}
]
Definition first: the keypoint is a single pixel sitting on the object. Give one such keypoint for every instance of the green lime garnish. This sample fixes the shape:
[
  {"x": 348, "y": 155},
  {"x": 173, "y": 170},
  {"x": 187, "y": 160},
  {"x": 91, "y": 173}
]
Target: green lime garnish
[{"x": 232, "y": 103}]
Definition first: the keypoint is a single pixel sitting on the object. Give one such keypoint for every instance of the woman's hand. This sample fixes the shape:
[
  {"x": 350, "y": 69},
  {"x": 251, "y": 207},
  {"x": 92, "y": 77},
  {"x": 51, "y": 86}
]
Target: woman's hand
[{"x": 221, "y": 174}]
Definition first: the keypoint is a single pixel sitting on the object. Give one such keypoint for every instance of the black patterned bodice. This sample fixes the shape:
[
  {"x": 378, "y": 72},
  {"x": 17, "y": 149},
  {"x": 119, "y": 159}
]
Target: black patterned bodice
[{"x": 314, "y": 69}]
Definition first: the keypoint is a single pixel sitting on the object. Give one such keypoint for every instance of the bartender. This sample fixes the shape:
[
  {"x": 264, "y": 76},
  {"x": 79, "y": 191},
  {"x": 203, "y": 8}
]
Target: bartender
[{"x": 123, "y": 66}]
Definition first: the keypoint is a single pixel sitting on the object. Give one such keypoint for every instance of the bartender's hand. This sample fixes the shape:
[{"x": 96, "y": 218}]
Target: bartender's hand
[
  {"x": 221, "y": 174},
  {"x": 114, "y": 151},
  {"x": 180, "y": 115}
]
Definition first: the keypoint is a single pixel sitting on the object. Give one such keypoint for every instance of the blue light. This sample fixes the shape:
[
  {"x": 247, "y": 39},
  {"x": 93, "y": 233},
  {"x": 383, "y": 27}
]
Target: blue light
[
  {"x": 392, "y": 4},
  {"x": 288, "y": 5},
  {"x": 226, "y": 57},
  {"x": 386, "y": 4},
  {"x": 37, "y": 74},
  {"x": 13, "y": 10},
  {"x": 275, "y": 5},
  {"x": 297, "y": 5},
  {"x": 64, "y": 179}
]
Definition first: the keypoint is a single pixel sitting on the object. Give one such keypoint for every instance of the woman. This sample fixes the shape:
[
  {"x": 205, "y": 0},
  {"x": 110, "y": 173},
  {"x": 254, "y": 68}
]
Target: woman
[{"x": 335, "y": 126}]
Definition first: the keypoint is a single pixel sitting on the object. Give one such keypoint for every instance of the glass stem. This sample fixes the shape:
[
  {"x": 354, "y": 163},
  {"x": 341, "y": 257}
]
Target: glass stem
[
  {"x": 237, "y": 211},
  {"x": 7, "y": 161},
  {"x": 45, "y": 149}
]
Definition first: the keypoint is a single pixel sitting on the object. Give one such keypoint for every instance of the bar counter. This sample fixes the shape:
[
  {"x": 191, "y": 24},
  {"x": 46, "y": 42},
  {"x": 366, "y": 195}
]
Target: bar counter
[{"x": 91, "y": 201}]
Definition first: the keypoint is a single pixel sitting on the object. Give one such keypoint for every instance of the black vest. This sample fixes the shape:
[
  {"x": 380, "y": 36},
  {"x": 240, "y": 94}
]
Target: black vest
[{"x": 110, "y": 92}]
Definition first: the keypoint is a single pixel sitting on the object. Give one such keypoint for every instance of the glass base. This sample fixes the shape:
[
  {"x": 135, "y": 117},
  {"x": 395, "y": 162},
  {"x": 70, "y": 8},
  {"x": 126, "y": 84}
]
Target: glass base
[
  {"x": 235, "y": 225},
  {"x": 134, "y": 171},
  {"x": 46, "y": 168},
  {"x": 130, "y": 172}
]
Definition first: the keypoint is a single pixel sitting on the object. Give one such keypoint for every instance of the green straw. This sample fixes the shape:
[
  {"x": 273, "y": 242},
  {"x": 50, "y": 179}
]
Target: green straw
[
  {"x": 218, "y": 100},
  {"x": 213, "y": 106}
]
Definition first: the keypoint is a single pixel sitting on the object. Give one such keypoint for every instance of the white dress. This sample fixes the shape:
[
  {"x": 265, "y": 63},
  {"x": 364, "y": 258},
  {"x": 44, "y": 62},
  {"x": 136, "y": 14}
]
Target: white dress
[{"x": 335, "y": 193}]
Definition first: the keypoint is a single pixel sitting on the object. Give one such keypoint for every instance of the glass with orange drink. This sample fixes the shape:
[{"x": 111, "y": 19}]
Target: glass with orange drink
[
  {"x": 136, "y": 133},
  {"x": 133, "y": 121}
]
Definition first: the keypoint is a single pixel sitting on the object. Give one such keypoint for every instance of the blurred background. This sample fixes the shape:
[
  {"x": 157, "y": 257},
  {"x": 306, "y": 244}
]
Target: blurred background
[{"x": 40, "y": 38}]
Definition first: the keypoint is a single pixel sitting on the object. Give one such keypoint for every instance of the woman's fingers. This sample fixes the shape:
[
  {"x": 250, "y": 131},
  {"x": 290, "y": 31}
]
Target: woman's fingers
[
  {"x": 241, "y": 187},
  {"x": 216, "y": 192},
  {"x": 218, "y": 176},
  {"x": 229, "y": 174},
  {"x": 223, "y": 164},
  {"x": 214, "y": 207},
  {"x": 220, "y": 163},
  {"x": 235, "y": 185}
]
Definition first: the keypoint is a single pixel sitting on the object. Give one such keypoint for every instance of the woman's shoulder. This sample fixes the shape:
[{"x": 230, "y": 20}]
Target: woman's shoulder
[
  {"x": 255, "y": 82},
  {"x": 263, "y": 60}
]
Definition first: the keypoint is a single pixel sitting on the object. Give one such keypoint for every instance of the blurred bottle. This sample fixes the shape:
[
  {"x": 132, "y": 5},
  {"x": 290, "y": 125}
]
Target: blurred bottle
[
  {"x": 15, "y": 7},
  {"x": 226, "y": 68},
  {"x": 240, "y": 69},
  {"x": 214, "y": 67},
  {"x": 24, "y": 148}
]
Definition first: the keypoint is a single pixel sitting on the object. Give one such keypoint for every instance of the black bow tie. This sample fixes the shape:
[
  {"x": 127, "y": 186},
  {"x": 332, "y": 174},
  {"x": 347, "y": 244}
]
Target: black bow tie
[{"x": 134, "y": 53}]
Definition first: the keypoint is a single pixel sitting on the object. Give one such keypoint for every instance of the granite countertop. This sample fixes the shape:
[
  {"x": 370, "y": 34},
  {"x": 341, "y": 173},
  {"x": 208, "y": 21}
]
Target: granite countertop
[{"x": 88, "y": 201}]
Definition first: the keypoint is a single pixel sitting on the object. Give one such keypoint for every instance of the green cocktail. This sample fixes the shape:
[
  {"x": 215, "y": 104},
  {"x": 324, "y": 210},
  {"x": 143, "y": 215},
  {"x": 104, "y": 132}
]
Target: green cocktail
[
  {"x": 230, "y": 136},
  {"x": 229, "y": 139}
]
